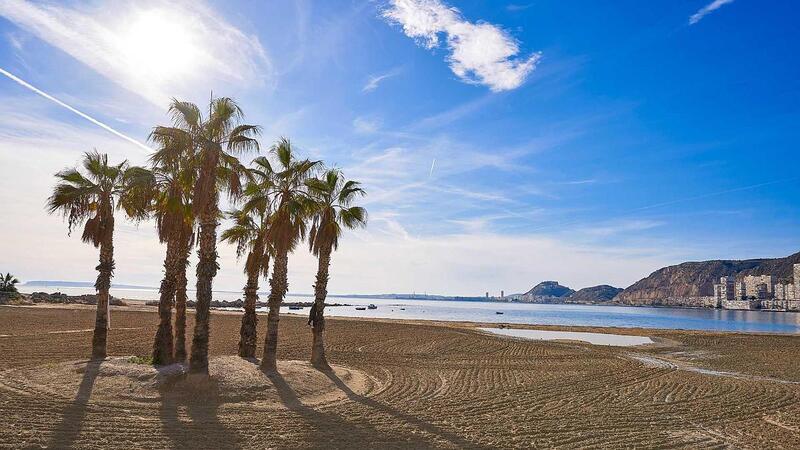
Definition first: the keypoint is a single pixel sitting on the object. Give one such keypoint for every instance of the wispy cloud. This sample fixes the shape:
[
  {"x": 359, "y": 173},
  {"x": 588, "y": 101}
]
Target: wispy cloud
[
  {"x": 366, "y": 125},
  {"x": 705, "y": 10},
  {"x": 514, "y": 7},
  {"x": 376, "y": 79},
  {"x": 455, "y": 113},
  {"x": 448, "y": 263},
  {"x": 579, "y": 182},
  {"x": 480, "y": 53},
  {"x": 619, "y": 227},
  {"x": 70, "y": 108},
  {"x": 157, "y": 49}
]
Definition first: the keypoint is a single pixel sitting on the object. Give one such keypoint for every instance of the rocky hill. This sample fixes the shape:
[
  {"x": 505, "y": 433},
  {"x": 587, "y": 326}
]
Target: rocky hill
[
  {"x": 549, "y": 289},
  {"x": 677, "y": 285},
  {"x": 594, "y": 294}
]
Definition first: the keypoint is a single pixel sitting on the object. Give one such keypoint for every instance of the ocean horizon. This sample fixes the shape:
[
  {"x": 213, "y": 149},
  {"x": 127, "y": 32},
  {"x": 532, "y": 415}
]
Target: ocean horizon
[{"x": 702, "y": 319}]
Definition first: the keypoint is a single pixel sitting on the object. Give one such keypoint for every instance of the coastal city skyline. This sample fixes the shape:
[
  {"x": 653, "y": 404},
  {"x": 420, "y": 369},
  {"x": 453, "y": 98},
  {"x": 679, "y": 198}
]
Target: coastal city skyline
[{"x": 583, "y": 150}]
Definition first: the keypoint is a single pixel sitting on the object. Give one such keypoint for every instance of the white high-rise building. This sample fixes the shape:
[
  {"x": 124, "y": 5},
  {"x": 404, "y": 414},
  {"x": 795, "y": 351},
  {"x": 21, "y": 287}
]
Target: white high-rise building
[
  {"x": 797, "y": 278},
  {"x": 759, "y": 286}
]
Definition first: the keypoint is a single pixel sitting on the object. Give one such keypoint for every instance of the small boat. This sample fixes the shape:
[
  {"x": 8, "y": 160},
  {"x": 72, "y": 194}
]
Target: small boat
[
  {"x": 499, "y": 312},
  {"x": 402, "y": 309},
  {"x": 295, "y": 307},
  {"x": 360, "y": 308},
  {"x": 371, "y": 306}
]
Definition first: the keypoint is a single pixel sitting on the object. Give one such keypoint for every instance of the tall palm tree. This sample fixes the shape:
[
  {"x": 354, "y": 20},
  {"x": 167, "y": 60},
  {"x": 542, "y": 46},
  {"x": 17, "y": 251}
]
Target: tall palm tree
[
  {"x": 216, "y": 137},
  {"x": 332, "y": 212},
  {"x": 173, "y": 175},
  {"x": 249, "y": 234},
  {"x": 91, "y": 198},
  {"x": 8, "y": 282},
  {"x": 287, "y": 227}
]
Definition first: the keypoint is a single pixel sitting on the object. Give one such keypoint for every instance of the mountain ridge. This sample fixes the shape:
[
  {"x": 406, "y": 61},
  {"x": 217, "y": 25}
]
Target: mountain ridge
[{"x": 676, "y": 285}]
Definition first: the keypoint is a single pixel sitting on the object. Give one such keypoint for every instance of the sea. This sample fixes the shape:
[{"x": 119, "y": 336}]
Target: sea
[{"x": 517, "y": 313}]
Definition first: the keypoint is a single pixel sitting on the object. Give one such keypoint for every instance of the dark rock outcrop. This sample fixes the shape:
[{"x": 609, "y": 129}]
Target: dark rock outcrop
[
  {"x": 58, "y": 297},
  {"x": 594, "y": 294},
  {"x": 239, "y": 303},
  {"x": 677, "y": 285}
]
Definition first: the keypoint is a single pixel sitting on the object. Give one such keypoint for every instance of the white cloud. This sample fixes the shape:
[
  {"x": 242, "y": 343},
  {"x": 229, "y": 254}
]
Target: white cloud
[
  {"x": 374, "y": 80},
  {"x": 705, "y": 10},
  {"x": 480, "y": 53},
  {"x": 157, "y": 49}
]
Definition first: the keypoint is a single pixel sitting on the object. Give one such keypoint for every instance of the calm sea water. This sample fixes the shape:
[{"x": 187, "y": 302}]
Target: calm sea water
[{"x": 578, "y": 315}]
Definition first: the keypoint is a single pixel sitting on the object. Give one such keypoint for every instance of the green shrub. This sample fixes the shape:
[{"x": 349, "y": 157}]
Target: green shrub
[{"x": 146, "y": 360}]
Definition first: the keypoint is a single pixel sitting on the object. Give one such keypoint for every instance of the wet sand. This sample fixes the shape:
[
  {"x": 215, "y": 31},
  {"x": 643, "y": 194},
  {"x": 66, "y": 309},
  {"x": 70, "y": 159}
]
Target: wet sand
[{"x": 399, "y": 384}]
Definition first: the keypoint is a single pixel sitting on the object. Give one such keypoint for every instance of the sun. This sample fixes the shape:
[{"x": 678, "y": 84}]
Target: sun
[{"x": 158, "y": 45}]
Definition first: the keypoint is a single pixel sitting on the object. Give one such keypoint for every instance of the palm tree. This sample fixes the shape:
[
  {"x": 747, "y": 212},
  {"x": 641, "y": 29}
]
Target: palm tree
[
  {"x": 249, "y": 234},
  {"x": 174, "y": 176},
  {"x": 91, "y": 198},
  {"x": 287, "y": 228},
  {"x": 332, "y": 212},
  {"x": 215, "y": 138},
  {"x": 185, "y": 248},
  {"x": 8, "y": 282}
]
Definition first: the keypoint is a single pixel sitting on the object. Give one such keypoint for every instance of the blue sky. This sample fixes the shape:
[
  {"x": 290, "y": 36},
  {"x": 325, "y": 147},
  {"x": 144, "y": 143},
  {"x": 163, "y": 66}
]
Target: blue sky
[{"x": 501, "y": 143}]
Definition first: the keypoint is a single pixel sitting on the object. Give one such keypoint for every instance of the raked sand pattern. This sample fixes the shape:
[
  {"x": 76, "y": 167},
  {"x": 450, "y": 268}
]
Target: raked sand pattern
[{"x": 395, "y": 385}]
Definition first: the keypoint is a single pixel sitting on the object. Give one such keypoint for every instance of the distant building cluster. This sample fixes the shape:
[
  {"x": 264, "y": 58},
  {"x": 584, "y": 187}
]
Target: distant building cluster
[{"x": 758, "y": 292}]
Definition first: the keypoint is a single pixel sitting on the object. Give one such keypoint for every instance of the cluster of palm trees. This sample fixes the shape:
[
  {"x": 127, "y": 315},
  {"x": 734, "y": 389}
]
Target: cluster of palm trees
[{"x": 279, "y": 201}]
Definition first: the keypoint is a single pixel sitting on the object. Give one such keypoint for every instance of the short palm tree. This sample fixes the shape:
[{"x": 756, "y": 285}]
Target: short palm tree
[
  {"x": 8, "y": 282},
  {"x": 332, "y": 212},
  {"x": 216, "y": 138},
  {"x": 287, "y": 227},
  {"x": 173, "y": 177},
  {"x": 91, "y": 198},
  {"x": 249, "y": 234}
]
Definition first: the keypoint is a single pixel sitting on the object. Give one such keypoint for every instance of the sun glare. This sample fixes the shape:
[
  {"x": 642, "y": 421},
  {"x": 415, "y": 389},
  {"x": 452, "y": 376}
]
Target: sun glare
[{"x": 159, "y": 45}]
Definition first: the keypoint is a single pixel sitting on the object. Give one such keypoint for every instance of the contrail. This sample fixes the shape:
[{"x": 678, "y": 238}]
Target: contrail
[
  {"x": 85, "y": 116},
  {"x": 712, "y": 194},
  {"x": 433, "y": 164}
]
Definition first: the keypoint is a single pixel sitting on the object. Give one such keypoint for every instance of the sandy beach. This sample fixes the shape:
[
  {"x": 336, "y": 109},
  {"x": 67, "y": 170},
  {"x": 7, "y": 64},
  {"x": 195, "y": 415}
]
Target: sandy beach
[{"x": 396, "y": 384}]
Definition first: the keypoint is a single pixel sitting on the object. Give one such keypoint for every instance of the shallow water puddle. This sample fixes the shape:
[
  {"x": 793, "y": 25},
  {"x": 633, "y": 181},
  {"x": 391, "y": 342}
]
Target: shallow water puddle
[{"x": 617, "y": 340}]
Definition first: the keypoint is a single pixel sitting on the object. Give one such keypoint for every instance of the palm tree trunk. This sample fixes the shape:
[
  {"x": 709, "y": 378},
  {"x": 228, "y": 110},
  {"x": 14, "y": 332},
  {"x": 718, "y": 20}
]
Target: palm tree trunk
[
  {"x": 318, "y": 319},
  {"x": 206, "y": 270},
  {"x": 180, "y": 299},
  {"x": 103, "y": 285},
  {"x": 248, "y": 334},
  {"x": 163, "y": 344},
  {"x": 278, "y": 286}
]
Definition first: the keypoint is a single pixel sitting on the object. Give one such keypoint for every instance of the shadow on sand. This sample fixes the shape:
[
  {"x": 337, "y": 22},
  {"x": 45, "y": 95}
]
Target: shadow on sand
[
  {"x": 452, "y": 438},
  {"x": 330, "y": 428},
  {"x": 204, "y": 429},
  {"x": 67, "y": 431}
]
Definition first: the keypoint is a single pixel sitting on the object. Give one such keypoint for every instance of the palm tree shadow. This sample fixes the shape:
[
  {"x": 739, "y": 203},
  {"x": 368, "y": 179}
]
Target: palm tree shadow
[
  {"x": 329, "y": 429},
  {"x": 204, "y": 430},
  {"x": 452, "y": 438},
  {"x": 67, "y": 431}
]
